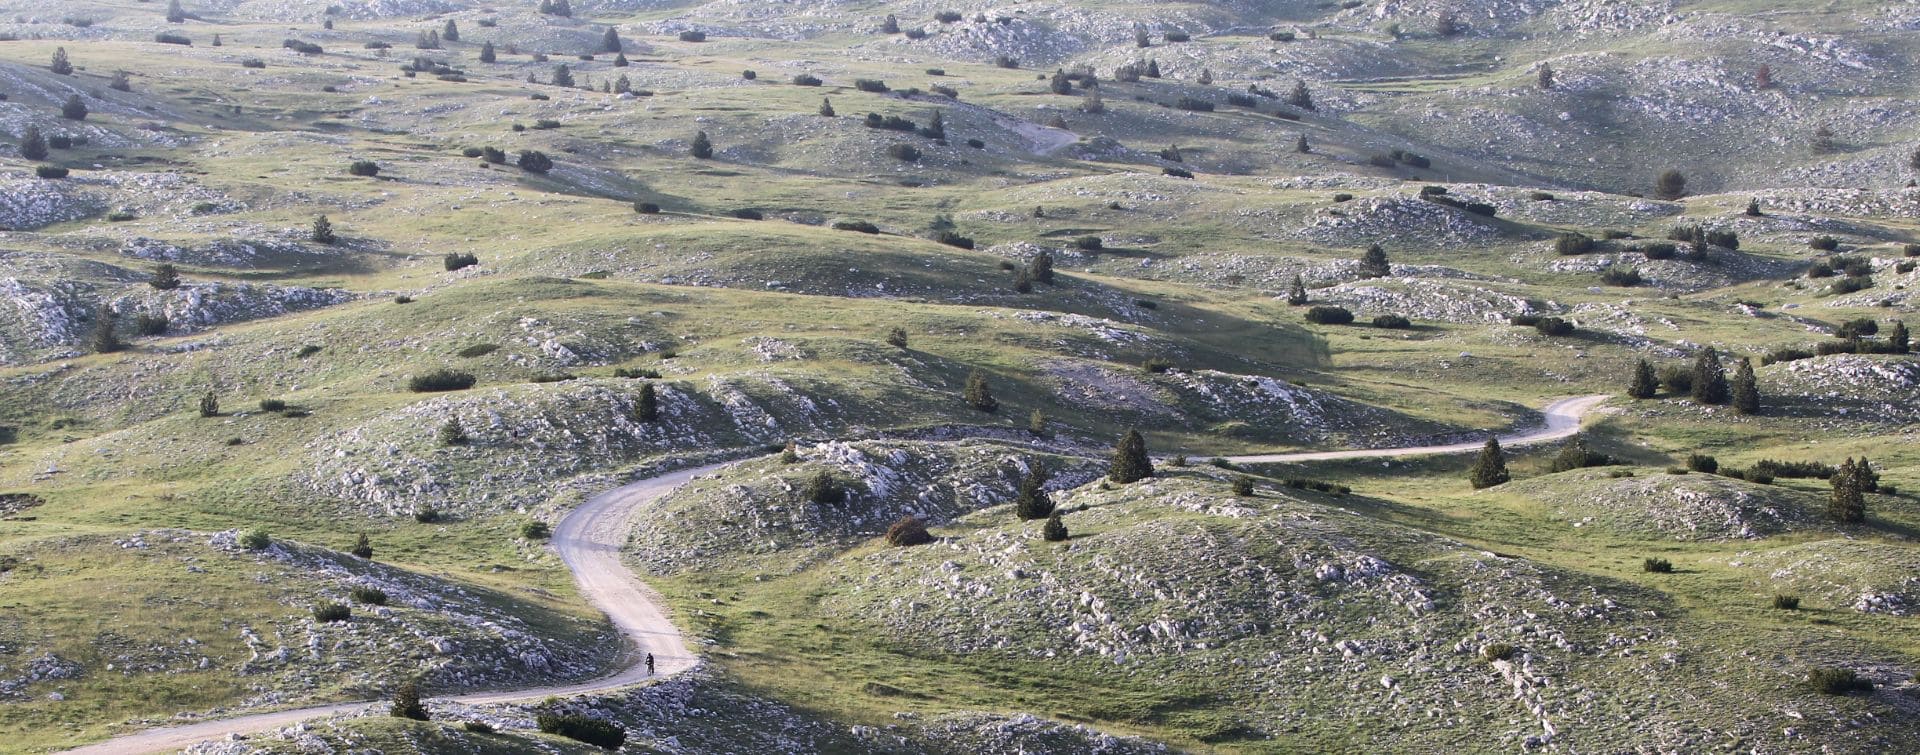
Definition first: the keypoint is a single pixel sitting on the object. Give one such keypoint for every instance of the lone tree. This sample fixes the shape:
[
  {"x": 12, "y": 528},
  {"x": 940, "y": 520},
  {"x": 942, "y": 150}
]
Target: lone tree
[
  {"x": 1746, "y": 395},
  {"x": 977, "y": 394},
  {"x": 406, "y": 702},
  {"x": 61, "y": 65},
  {"x": 1671, "y": 185},
  {"x": 1055, "y": 530},
  {"x": 1130, "y": 462},
  {"x": 534, "y": 161},
  {"x": 1301, "y": 146},
  {"x": 908, "y": 531},
  {"x": 890, "y": 25},
  {"x": 209, "y": 405},
  {"x": 1645, "y": 383},
  {"x": 562, "y": 76},
  {"x": 1897, "y": 339},
  {"x": 822, "y": 488},
  {"x": 1710, "y": 379},
  {"x": 1490, "y": 468},
  {"x": 452, "y": 31},
  {"x": 1546, "y": 76},
  {"x": 1033, "y": 502},
  {"x": 1849, "y": 501},
  {"x": 105, "y": 340},
  {"x": 702, "y": 146},
  {"x": 175, "y": 13},
  {"x": 74, "y": 109},
  {"x": 33, "y": 144},
  {"x": 1763, "y": 76},
  {"x": 646, "y": 408},
  {"x": 1037, "y": 423},
  {"x": 486, "y": 52},
  {"x": 1300, "y": 96},
  {"x": 1040, "y": 268},
  {"x": 897, "y": 338},
  {"x": 165, "y": 277},
  {"x": 1297, "y": 293},
  {"x": 610, "y": 41},
  {"x": 322, "y": 232},
  {"x": 363, "y": 548},
  {"x": 452, "y": 433},
  {"x": 826, "y": 108},
  {"x": 1374, "y": 263}
]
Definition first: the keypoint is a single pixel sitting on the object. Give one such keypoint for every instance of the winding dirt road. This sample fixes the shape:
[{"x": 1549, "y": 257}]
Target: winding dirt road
[{"x": 589, "y": 541}]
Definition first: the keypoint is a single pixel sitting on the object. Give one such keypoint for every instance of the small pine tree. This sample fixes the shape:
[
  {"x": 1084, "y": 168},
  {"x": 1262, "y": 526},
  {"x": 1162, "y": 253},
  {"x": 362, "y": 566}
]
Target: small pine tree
[
  {"x": 1130, "y": 461},
  {"x": 61, "y": 64},
  {"x": 1848, "y": 502},
  {"x": 1300, "y": 96},
  {"x": 646, "y": 408},
  {"x": 452, "y": 433},
  {"x": 824, "y": 489},
  {"x": 165, "y": 277},
  {"x": 452, "y": 31},
  {"x": 1032, "y": 502},
  {"x": 826, "y": 108},
  {"x": 1297, "y": 292},
  {"x": 406, "y": 702},
  {"x": 1243, "y": 486},
  {"x": 1153, "y": 69},
  {"x": 74, "y": 109},
  {"x": 897, "y": 338},
  {"x": 105, "y": 339},
  {"x": 1037, "y": 423},
  {"x": 1301, "y": 146},
  {"x": 1763, "y": 76},
  {"x": 1093, "y": 103},
  {"x": 322, "y": 232},
  {"x": 1059, "y": 84},
  {"x": 1753, "y": 208},
  {"x": 702, "y": 148},
  {"x": 1545, "y": 79},
  {"x": 363, "y": 548},
  {"x": 209, "y": 405},
  {"x": 1490, "y": 468},
  {"x": 790, "y": 454},
  {"x": 1710, "y": 379},
  {"x": 1206, "y": 77},
  {"x": 610, "y": 41},
  {"x": 1022, "y": 281},
  {"x": 175, "y": 13},
  {"x": 120, "y": 82},
  {"x": 486, "y": 52},
  {"x": 1897, "y": 339},
  {"x": 1645, "y": 383},
  {"x": 1055, "y": 530},
  {"x": 1374, "y": 263},
  {"x": 33, "y": 144},
  {"x": 1744, "y": 392},
  {"x": 216, "y": 40},
  {"x": 977, "y": 394},
  {"x": 890, "y": 25},
  {"x": 562, "y": 75},
  {"x": 620, "y": 60},
  {"x": 1041, "y": 268}
]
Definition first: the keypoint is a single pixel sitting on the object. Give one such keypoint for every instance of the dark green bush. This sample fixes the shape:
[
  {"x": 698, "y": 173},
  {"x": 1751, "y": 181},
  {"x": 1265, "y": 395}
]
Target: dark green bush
[
  {"x": 1394, "y": 322},
  {"x": 1657, "y": 566},
  {"x": 860, "y": 226},
  {"x": 440, "y": 380},
  {"x": 331, "y": 612},
  {"x": 457, "y": 261},
  {"x": 1324, "y": 315},
  {"x": 479, "y": 350},
  {"x": 256, "y": 540},
  {"x": 372, "y": 596},
  {"x": 272, "y": 405},
  {"x": 1786, "y": 602},
  {"x": 908, "y": 531},
  {"x": 1836, "y": 681},
  {"x": 50, "y": 171},
  {"x": 364, "y": 168},
  {"x": 536, "y": 530},
  {"x": 1553, "y": 326}
]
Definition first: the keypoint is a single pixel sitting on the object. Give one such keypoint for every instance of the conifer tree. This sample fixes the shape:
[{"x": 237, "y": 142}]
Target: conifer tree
[
  {"x": 1645, "y": 383},
  {"x": 452, "y": 32},
  {"x": 1055, "y": 530},
  {"x": 363, "y": 548},
  {"x": 1130, "y": 461},
  {"x": 1374, "y": 263},
  {"x": 209, "y": 405},
  {"x": 646, "y": 408},
  {"x": 977, "y": 394},
  {"x": 33, "y": 144},
  {"x": 1037, "y": 422},
  {"x": 486, "y": 52},
  {"x": 322, "y": 232},
  {"x": 562, "y": 76},
  {"x": 1300, "y": 96},
  {"x": 620, "y": 60},
  {"x": 1745, "y": 393},
  {"x": 610, "y": 41},
  {"x": 175, "y": 13},
  {"x": 1301, "y": 146},
  {"x": 702, "y": 146},
  {"x": 1032, "y": 502},
  {"x": 105, "y": 339},
  {"x": 826, "y": 107},
  {"x": 1546, "y": 76},
  {"x": 74, "y": 109},
  {"x": 1041, "y": 268},
  {"x": 1671, "y": 185},
  {"x": 890, "y": 25},
  {"x": 1897, "y": 339},
  {"x": 166, "y": 277},
  {"x": 1710, "y": 379},
  {"x": 1848, "y": 502},
  {"x": 1297, "y": 292},
  {"x": 406, "y": 702},
  {"x": 61, "y": 64},
  {"x": 1490, "y": 468},
  {"x": 452, "y": 433}
]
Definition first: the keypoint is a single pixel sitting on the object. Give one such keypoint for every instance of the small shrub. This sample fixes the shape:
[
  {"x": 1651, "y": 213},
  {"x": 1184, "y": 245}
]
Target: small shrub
[
  {"x": 1243, "y": 486},
  {"x": 1657, "y": 566},
  {"x": 330, "y": 612},
  {"x": 593, "y": 731},
  {"x": 806, "y": 80},
  {"x": 440, "y": 380},
  {"x": 1573, "y": 243},
  {"x": 1621, "y": 276},
  {"x": 1156, "y": 365},
  {"x": 536, "y": 530},
  {"x": 1324, "y": 315},
  {"x": 371, "y": 596},
  {"x": 428, "y": 515},
  {"x": 693, "y": 36},
  {"x": 1176, "y": 172},
  {"x": 256, "y": 540},
  {"x": 858, "y": 226},
  {"x": 1089, "y": 244},
  {"x": 1392, "y": 322},
  {"x": 458, "y": 261},
  {"x": 1703, "y": 463},
  {"x": 364, "y": 168},
  {"x": 477, "y": 727},
  {"x": 272, "y": 405},
  {"x": 953, "y": 239},
  {"x": 646, "y": 208},
  {"x": 50, "y": 171},
  {"x": 1553, "y": 326},
  {"x": 479, "y": 350},
  {"x": 1659, "y": 250},
  {"x": 1496, "y": 651},
  {"x": 1824, "y": 243},
  {"x": 306, "y": 351},
  {"x": 904, "y": 153},
  {"x": 871, "y": 86},
  {"x": 1836, "y": 681},
  {"x": 1786, "y": 602},
  {"x": 908, "y": 531}
]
